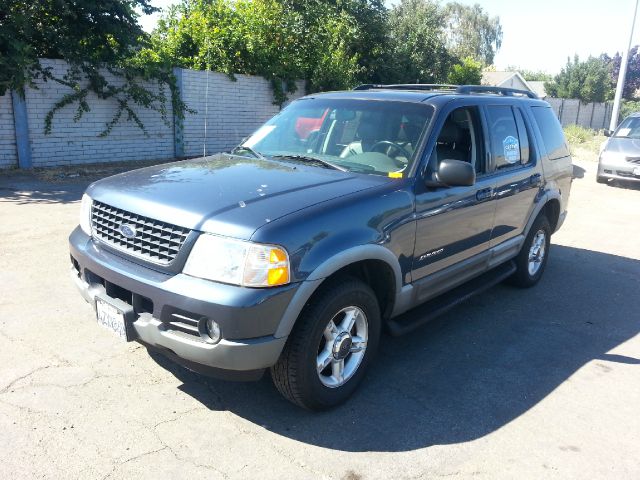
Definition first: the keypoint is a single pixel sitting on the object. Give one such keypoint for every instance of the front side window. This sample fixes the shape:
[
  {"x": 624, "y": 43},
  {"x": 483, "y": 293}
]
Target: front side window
[
  {"x": 365, "y": 136},
  {"x": 460, "y": 138}
]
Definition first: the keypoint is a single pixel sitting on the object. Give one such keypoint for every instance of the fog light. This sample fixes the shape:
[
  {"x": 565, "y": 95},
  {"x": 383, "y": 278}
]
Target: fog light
[{"x": 213, "y": 331}]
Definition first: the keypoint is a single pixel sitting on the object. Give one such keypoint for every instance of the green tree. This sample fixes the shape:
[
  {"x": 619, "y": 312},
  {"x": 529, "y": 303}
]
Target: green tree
[
  {"x": 92, "y": 35},
  {"x": 331, "y": 45},
  {"x": 471, "y": 32},
  {"x": 467, "y": 72},
  {"x": 417, "y": 43},
  {"x": 632, "y": 78},
  {"x": 587, "y": 80}
]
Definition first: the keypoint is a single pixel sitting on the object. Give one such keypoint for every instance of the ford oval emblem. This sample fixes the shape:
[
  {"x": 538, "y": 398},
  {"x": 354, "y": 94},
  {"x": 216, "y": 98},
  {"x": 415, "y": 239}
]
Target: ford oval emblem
[{"x": 127, "y": 230}]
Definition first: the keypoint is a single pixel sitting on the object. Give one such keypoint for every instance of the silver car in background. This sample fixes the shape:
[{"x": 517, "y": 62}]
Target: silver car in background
[{"x": 620, "y": 154}]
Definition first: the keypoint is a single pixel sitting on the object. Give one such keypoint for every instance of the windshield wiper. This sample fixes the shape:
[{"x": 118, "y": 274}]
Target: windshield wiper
[
  {"x": 253, "y": 152},
  {"x": 309, "y": 159}
]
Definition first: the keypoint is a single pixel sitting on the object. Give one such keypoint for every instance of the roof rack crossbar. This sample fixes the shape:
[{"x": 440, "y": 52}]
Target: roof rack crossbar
[{"x": 461, "y": 89}]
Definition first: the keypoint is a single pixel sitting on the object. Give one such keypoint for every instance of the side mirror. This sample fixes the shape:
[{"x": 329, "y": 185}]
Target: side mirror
[
  {"x": 607, "y": 133},
  {"x": 455, "y": 173}
]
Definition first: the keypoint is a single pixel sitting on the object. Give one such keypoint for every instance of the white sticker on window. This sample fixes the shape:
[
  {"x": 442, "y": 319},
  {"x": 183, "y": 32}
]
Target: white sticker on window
[
  {"x": 511, "y": 147},
  {"x": 623, "y": 132}
]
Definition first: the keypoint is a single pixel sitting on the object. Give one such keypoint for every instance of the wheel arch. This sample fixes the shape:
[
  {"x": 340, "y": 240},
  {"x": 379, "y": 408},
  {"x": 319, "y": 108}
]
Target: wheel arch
[
  {"x": 374, "y": 264},
  {"x": 549, "y": 204}
]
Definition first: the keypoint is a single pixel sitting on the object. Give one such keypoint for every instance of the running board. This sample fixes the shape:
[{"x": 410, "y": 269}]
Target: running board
[{"x": 426, "y": 312}]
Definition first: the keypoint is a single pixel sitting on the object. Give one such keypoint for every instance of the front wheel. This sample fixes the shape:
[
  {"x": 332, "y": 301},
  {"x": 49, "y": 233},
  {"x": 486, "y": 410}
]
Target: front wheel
[
  {"x": 600, "y": 179},
  {"x": 532, "y": 259},
  {"x": 330, "y": 347}
]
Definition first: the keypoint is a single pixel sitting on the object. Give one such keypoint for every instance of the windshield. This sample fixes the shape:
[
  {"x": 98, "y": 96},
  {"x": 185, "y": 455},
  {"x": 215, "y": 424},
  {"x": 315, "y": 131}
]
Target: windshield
[
  {"x": 629, "y": 128},
  {"x": 376, "y": 137}
]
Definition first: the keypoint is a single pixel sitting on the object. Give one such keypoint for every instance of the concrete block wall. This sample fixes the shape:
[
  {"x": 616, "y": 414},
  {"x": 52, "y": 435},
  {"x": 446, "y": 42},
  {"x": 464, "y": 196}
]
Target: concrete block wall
[
  {"x": 589, "y": 115},
  {"x": 8, "y": 152},
  {"x": 73, "y": 143},
  {"x": 234, "y": 109}
]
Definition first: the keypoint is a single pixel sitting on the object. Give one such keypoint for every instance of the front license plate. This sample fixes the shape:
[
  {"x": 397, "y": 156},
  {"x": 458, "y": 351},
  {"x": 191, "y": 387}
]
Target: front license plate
[
  {"x": 111, "y": 318},
  {"x": 636, "y": 171}
]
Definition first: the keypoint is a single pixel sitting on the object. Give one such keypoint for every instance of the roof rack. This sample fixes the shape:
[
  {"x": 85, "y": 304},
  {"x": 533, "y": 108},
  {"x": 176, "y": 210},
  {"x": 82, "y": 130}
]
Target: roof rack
[
  {"x": 406, "y": 86},
  {"x": 461, "y": 89}
]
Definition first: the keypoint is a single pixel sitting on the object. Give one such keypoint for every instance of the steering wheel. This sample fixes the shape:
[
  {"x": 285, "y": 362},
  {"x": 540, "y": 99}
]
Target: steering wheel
[{"x": 387, "y": 143}]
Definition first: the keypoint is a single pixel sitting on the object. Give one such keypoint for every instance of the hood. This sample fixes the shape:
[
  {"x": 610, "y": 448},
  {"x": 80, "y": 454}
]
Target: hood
[
  {"x": 629, "y": 147},
  {"x": 226, "y": 194}
]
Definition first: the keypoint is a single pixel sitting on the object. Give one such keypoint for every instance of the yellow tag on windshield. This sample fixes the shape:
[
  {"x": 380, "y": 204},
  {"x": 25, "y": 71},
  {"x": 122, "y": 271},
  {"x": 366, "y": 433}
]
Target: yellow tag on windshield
[{"x": 395, "y": 174}]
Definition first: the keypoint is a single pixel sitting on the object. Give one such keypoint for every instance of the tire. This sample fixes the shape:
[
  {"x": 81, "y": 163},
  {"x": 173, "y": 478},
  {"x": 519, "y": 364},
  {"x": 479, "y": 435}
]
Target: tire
[
  {"x": 600, "y": 179},
  {"x": 529, "y": 265},
  {"x": 296, "y": 374}
]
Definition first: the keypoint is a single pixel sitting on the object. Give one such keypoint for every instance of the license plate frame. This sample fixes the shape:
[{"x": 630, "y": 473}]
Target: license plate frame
[{"x": 113, "y": 318}]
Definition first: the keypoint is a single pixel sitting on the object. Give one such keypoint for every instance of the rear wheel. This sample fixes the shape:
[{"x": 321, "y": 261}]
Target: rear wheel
[
  {"x": 532, "y": 259},
  {"x": 328, "y": 351}
]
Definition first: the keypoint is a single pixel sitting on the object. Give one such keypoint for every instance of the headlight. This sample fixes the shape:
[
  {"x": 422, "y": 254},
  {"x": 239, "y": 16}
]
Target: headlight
[
  {"x": 85, "y": 214},
  {"x": 238, "y": 262}
]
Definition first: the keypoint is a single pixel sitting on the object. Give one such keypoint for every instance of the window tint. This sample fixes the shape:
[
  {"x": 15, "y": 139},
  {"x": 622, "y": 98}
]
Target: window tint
[
  {"x": 551, "y": 131},
  {"x": 505, "y": 141}
]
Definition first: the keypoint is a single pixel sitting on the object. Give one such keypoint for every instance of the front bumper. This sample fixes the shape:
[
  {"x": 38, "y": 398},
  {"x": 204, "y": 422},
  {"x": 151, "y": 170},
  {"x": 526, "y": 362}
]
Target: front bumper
[
  {"x": 619, "y": 170},
  {"x": 247, "y": 317}
]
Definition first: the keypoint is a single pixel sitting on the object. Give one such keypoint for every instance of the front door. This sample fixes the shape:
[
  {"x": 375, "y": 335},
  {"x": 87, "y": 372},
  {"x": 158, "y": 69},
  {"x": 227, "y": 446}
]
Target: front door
[{"x": 454, "y": 223}]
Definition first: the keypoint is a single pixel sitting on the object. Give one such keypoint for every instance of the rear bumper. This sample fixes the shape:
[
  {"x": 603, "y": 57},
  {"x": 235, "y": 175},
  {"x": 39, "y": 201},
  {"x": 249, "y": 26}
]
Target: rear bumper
[{"x": 248, "y": 318}]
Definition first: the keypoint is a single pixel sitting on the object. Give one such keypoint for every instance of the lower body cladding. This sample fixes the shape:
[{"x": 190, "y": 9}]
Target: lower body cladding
[
  {"x": 619, "y": 171},
  {"x": 174, "y": 314}
]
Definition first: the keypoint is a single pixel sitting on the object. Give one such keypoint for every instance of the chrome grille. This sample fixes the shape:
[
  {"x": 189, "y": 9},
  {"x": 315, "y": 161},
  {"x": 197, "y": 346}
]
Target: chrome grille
[
  {"x": 635, "y": 160},
  {"x": 155, "y": 241}
]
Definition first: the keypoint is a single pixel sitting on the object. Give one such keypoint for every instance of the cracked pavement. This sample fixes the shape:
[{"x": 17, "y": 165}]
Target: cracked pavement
[{"x": 542, "y": 383}]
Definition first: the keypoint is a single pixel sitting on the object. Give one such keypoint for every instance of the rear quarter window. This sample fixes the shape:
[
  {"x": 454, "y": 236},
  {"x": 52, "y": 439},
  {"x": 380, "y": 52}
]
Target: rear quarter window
[{"x": 551, "y": 131}]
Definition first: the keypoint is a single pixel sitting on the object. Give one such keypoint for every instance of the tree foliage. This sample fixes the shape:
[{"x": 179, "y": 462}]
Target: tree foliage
[
  {"x": 417, "y": 43},
  {"x": 589, "y": 81},
  {"x": 632, "y": 78},
  {"x": 467, "y": 72},
  {"x": 94, "y": 37},
  {"x": 332, "y": 44},
  {"x": 471, "y": 32}
]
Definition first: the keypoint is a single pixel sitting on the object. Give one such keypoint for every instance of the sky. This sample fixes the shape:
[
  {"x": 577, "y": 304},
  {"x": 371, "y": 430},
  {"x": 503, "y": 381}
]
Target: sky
[{"x": 542, "y": 34}]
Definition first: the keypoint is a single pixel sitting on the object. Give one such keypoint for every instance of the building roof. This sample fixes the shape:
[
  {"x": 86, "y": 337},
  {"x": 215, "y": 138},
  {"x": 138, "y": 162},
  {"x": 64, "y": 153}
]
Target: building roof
[
  {"x": 498, "y": 79},
  {"x": 538, "y": 88}
]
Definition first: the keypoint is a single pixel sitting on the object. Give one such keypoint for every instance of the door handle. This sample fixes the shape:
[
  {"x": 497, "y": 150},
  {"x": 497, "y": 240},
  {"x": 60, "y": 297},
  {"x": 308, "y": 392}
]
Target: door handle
[
  {"x": 535, "y": 179},
  {"x": 484, "y": 194}
]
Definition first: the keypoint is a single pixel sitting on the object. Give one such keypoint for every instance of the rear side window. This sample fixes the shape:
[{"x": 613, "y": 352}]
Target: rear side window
[
  {"x": 505, "y": 138},
  {"x": 551, "y": 131}
]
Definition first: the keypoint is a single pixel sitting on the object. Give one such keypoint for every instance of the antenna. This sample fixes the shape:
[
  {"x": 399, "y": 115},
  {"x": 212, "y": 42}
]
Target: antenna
[{"x": 206, "y": 102}]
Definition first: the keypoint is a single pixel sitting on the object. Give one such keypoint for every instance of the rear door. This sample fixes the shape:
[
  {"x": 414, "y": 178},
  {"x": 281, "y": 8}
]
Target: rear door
[{"x": 515, "y": 168}]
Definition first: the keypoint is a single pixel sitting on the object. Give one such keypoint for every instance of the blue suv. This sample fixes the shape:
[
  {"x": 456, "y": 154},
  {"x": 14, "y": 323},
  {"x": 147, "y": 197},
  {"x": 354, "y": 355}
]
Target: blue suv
[{"x": 345, "y": 214}]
